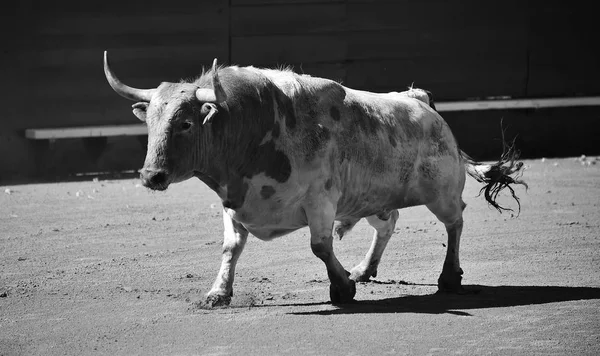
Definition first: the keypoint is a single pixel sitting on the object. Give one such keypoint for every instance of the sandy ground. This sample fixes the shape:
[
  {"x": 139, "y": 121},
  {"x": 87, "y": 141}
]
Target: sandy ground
[{"x": 107, "y": 267}]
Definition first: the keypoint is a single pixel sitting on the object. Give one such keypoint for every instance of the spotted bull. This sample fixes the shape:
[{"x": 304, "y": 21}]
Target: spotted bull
[{"x": 285, "y": 151}]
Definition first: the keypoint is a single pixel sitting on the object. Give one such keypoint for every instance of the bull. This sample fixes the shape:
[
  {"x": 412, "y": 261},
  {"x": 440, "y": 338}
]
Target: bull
[{"x": 284, "y": 151}]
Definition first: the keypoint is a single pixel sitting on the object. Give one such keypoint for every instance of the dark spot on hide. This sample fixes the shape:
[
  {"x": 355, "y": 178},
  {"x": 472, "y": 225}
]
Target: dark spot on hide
[
  {"x": 286, "y": 109},
  {"x": 229, "y": 204},
  {"x": 328, "y": 184},
  {"x": 267, "y": 191},
  {"x": 335, "y": 113},
  {"x": 379, "y": 164},
  {"x": 438, "y": 140},
  {"x": 315, "y": 141},
  {"x": 428, "y": 170},
  {"x": 342, "y": 156},
  {"x": 290, "y": 122},
  {"x": 384, "y": 215},
  {"x": 363, "y": 120},
  {"x": 267, "y": 159},
  {"x": 392, "y": 140},
  {"x": 236, "y": 194}
]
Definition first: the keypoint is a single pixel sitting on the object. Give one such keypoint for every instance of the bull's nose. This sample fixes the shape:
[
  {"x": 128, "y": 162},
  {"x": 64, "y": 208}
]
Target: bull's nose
[{"x": 154, "y": 178}]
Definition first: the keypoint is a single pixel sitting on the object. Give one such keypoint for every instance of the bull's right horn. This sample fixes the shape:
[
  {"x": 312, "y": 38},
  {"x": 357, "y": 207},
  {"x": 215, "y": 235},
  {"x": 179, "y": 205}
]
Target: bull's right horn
[
  {"x": 215, "y": 95},
  {"x": 125, "y": 91}
]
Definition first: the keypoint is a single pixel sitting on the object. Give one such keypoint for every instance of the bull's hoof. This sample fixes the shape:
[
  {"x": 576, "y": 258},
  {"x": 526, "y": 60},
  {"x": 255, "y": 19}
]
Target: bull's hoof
[
  {"x": 342, "y": 294},
  {"x": 359, "y": 274},
  {"x": 217, "y": 300},
  {"x": 450, "y": 282}
]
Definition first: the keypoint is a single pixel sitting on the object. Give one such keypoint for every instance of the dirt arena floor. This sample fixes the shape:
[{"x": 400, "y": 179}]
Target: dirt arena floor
[{"x": 107, "y": 267}]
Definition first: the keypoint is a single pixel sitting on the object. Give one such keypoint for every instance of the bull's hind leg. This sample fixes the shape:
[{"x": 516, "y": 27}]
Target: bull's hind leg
[
  {"x": 384, "y": 228},
  {"x": 450, "y": 212},
  {"x": 321, "y": 216}
]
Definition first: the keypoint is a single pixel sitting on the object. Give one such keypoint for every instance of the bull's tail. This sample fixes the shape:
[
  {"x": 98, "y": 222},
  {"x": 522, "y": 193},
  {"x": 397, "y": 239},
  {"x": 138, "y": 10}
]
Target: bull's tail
[{"x": 497, "y": 176}]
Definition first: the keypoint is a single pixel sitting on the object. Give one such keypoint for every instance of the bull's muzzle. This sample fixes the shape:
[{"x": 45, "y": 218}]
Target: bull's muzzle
[{"x": 155, "y": 179}]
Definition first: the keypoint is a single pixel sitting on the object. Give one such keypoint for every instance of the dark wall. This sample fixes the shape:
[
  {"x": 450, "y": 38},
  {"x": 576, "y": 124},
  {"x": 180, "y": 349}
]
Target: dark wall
[{"x": 52, "y": 65}]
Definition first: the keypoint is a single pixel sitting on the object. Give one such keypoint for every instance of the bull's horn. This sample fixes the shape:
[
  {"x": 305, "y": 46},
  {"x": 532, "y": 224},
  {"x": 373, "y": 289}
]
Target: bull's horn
[
  {"x": 125, "y": 91},
  {"x": 206, "y": 95},
  {"x": 216, "y": 95},
  {"x": 219, "y": 92}
]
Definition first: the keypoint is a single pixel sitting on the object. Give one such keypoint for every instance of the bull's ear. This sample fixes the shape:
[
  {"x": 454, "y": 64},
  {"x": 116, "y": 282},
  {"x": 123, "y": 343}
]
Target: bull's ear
[
  {"x": 209, "y": 110},
  {"x": 430, "y": 96},
  {"x": 139, "y": 110}
]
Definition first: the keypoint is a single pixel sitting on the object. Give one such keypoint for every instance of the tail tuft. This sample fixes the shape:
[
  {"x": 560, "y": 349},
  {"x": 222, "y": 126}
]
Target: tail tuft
[{"x": 495, "y": 177}]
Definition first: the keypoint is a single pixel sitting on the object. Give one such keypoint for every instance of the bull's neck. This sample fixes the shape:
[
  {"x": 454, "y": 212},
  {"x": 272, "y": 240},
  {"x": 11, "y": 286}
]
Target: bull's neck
[
  {"x": 217, "y": 164},
  {"x": 230, "y": 148}
]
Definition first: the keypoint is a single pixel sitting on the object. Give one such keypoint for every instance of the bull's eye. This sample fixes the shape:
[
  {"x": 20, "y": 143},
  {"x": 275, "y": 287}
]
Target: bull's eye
[{"x": 186, "y": 125}]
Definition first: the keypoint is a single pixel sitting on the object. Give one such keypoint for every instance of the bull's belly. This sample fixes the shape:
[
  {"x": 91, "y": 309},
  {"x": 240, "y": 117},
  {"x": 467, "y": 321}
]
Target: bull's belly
[
  {"x": 360, "y": 204},
  {"x": 418, "y": 182},
  {"x": 267, "y": 222}
]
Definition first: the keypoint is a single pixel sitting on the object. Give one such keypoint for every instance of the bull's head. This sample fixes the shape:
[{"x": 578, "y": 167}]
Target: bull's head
[{"x": 175, "y": 114}]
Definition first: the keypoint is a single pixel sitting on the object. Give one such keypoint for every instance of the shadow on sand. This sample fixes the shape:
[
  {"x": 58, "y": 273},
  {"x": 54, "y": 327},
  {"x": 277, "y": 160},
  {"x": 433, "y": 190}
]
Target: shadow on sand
[{"x": 480, "y": 297}]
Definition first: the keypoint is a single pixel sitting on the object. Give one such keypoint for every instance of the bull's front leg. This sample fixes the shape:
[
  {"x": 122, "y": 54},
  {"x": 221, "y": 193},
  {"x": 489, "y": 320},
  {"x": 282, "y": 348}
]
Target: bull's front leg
[
  {"x": 320, "y": 221},
  {"x": 234, "y": 240}
]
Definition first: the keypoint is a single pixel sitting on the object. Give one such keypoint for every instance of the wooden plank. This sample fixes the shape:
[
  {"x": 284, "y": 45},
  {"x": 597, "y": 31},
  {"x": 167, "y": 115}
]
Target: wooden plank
[
  {"x": 54, "y": 78},
  {"x": 202, "y": 53},
  {"x": 449, "y": 78},
  {"x": 411, "y": 44},
  {"x": 563, "y": 59},
  {"x": 280, "y": 50},
  {"x": 437, "y": 15},
  {"x": 151, "y": 24},
  {"x": 518, "y": 104},
  {"x": 81, "y": 41},
  {"x": 538, "y": 133},
  {"x": 89, "y": 131},
  {"x": 94, "y": 112},
  {"x": 280, "y": 2},
  {"x": 288, "y": 19},
  {"x": 130, "y": 7}
]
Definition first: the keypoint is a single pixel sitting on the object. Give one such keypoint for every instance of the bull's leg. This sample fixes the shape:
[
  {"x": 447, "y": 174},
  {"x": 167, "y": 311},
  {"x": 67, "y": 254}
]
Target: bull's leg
[
  {"x": 320, "y": 222},
  {"x": 384, "y": 228},
  {"x": 450, "y": 213},
  {"x": 234, "y": 240}
]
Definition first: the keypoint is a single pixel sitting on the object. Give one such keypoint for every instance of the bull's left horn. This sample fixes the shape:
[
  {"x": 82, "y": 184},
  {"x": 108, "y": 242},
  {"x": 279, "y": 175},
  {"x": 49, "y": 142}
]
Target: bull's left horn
[
  {"x": 125, "y": 91},
  {"x": 219, "y": 92}
]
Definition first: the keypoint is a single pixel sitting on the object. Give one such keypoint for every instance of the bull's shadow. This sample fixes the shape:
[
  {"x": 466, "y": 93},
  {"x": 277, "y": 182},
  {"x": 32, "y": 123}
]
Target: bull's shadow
[{"x": 480, "y": 297}]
